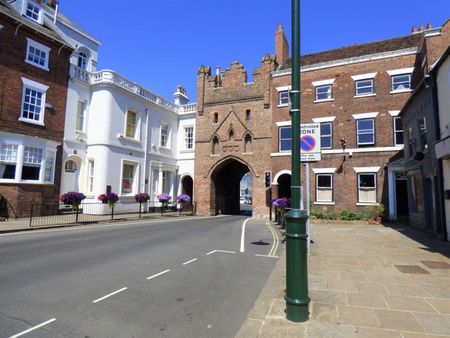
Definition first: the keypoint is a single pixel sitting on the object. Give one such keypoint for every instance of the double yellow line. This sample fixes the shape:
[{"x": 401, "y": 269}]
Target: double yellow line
[{"x": 275, "y": 244}]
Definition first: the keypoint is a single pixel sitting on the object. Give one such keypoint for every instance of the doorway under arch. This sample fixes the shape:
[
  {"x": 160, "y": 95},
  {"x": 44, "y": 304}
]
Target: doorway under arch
[
  {"x": 187, "y": 185},
  {"x": 225, "y": 187},
  {"x": 284, "y": 186}
]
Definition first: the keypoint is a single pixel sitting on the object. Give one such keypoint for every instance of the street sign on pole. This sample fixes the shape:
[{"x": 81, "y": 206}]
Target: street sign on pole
[{"x": 310, "y": 142}]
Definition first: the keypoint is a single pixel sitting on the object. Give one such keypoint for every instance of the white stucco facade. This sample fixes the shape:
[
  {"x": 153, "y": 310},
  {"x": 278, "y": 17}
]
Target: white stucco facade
[{"x": 119, "y": 136}]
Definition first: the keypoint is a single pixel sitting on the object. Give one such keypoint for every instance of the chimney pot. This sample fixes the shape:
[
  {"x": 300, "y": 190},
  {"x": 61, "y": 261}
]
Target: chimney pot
[
  {"x": 414, "y": 29},
  {"x": 429, "y": 26},
  {"x": 421, "y": 29}
]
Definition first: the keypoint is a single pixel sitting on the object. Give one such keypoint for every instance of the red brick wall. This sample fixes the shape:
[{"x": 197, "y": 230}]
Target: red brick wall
[
  {"x": 230, "y": 100},
  {"x": 344, "y": 125},
  {"x": 12, "y": 68}
]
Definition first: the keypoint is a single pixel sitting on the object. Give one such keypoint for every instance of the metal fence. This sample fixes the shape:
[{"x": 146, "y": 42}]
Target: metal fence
[{"x": 48, "y": 214}]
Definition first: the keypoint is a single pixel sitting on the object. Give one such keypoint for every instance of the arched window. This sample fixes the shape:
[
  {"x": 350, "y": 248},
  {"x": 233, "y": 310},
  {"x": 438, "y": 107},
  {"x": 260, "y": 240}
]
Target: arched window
[
  {"x": 215, "y": 145},
  {"x": 82, "y": 60},
  {"x": 231, "y": 135},
  {"x": 70, "y": 166},
  {"x": 247, "y": 144}
]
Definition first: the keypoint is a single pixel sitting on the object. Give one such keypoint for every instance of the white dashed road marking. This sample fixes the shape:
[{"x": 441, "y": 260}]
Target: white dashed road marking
[
  {"x": 34, "y": 328},
  {"x": 158, "y": 274},
  {"x": 192, "y": 260},
  {"x": 109, "y": 295}
]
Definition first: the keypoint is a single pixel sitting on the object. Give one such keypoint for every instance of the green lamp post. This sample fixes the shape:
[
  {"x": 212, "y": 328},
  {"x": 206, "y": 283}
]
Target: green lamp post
[{"x": 297, "y": 299}]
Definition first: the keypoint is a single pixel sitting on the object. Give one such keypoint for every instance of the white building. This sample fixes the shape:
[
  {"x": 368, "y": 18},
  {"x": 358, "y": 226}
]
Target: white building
[{"x": 120, "y": 136}]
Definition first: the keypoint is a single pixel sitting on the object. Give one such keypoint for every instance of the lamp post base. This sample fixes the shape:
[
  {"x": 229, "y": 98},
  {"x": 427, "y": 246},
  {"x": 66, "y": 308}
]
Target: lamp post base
[{"x": 297, "y": 299}]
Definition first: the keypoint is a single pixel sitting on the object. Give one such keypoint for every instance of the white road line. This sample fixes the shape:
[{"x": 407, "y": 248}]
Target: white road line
[
  {"x": 223, "y": 251},
  {"x": 109, "y": 295},
  {"x": 211, "y": 252},
  {"x": 243, "y": 234},
  {"x": 158, "y": 274},
  {"x": 268, "y": 256},
  {"x": 192, "y": 260},
  {"x": 34, "y": 328}
]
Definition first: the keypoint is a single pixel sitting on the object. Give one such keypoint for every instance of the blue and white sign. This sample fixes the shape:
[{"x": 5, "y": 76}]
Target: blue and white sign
[{"x": 310, "y": 142}]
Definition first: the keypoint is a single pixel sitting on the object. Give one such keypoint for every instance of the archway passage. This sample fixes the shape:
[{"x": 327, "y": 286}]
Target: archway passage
[
  {"x": 187, "y": 186},
  {"x": 225, "y": 187}
]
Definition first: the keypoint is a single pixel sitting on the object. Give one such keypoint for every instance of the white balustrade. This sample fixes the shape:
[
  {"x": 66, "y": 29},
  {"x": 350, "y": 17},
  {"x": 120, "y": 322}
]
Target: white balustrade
[{"x": 109, "y": 76}]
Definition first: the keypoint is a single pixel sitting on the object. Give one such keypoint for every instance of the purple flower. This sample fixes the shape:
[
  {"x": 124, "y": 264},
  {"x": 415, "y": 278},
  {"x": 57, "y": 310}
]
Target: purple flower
[
  {"x": 72, "y": 198},
  {"x": 283, "y": 202},
  {"x": 183, "y": 198},
  {"x": 109, "y": 198},
  {"x": 164, "y": 197},
  {"x": 142, "y": 197}
]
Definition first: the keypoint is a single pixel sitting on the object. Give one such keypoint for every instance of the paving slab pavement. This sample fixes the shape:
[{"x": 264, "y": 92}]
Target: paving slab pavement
[{"x": 364, "y": 281}]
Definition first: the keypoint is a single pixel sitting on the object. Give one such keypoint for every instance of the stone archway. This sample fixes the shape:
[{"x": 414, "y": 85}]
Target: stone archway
[{"x": 225, "y": 187}]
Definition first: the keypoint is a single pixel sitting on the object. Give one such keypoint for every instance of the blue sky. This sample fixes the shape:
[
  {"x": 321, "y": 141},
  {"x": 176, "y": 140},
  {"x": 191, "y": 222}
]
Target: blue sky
[{"x": 161, "y": 43}]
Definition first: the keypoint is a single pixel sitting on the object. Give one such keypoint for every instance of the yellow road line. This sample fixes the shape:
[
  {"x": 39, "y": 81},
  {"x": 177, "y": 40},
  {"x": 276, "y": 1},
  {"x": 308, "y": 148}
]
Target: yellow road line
[{"x": 274, "y": 248}]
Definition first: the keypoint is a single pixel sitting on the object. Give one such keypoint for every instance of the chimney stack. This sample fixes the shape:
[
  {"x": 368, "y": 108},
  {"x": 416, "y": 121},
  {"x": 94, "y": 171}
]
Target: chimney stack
[
  {"x": 429, "y": 26},
  {"x": 421, "y": 28},
  {"x": 281, "y": 46},
  {"x": 414, "y": 29}
]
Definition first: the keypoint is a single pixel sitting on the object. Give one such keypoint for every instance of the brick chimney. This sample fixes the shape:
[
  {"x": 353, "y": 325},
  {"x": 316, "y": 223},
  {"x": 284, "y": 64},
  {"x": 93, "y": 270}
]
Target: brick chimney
[
  {"x": 414, "y": 29},
  {"x": 281, "y": 46},
  {"x": 429, "y": 26}
]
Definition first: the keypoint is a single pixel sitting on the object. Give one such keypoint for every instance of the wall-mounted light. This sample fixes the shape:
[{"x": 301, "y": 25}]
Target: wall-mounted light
[{"x": 49, "y": 105}]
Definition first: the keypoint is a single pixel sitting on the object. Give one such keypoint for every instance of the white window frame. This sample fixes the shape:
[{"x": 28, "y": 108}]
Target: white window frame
[
  {"x": 91, "y": 175},
  {"x": 283, "y": 101},
  {"x": 330, "y": 135},
  {"x": 42, "y": 49},
  {"x": 48, "y": 158},
  {"x": 329, "y": 93},
  {"x": 81, "y": 116},
  {"x": 38, "y": 87},
  {"x": 84, "y": 60},
  {"x": 402, "y": 90},
  {"x": 49, "y": 166},
  {"x": 364, "y": 77},
  {"x": 330, "y": 188},
  {"x": 375, "y": 187},
  {"x": 395, "y": 118},
  {"x": 279, "y": 138},
  {"x": 40, "y": 16},
  {"x": 189, "y": 137},
  {"x": 135, "y": 178},
  {"x": 136, "y": 125},
  {"x": 164, "y": 139},
  {"x": 372, "y": 86},
  {"x": 365, "y": 133}
]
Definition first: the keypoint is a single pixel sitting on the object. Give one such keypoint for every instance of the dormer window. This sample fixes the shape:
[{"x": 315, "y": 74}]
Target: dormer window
[
  {"x": 33, "y": 11},
  {"x": 82, "y": 60}
]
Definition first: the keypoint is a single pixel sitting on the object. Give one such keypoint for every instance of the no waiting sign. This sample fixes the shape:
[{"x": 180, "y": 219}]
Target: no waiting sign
[{"x": 310, "y": 142}]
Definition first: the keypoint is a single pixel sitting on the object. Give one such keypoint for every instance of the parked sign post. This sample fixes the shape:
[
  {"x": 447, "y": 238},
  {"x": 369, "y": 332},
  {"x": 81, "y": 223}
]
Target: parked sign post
[{"x": 309, "y": 152}]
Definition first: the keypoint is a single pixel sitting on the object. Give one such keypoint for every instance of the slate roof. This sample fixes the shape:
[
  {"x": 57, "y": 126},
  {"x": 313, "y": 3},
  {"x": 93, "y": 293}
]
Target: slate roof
[
  {"x": 403, "y": 42},
  {"x": 43, "y": 29}
]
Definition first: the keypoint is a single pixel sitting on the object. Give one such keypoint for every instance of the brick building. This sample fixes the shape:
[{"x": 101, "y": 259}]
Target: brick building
[
  {"x": 355, "y": 93},
  {"x": 34, "y": 72}
]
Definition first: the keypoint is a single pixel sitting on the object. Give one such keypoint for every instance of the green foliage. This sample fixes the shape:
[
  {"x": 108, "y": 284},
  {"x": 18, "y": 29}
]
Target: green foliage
[
  {"x": 345, "y": 215},
  {"x": 348, "y": 215}
]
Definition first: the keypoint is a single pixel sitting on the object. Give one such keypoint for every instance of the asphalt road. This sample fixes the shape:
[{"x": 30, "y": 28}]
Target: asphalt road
[{"x": 171, "y": 278}]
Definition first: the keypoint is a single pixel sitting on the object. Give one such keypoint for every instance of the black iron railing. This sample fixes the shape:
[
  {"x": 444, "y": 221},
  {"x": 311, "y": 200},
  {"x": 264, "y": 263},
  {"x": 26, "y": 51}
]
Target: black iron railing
[{"x": 48, "y": 214}]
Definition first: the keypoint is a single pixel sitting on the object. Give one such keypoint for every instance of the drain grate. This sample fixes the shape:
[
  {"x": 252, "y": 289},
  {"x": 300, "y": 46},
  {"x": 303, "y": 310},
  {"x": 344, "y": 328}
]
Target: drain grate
[
  {"x": 412, "y": 269},
  {"x": 436, "y": 264}
]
